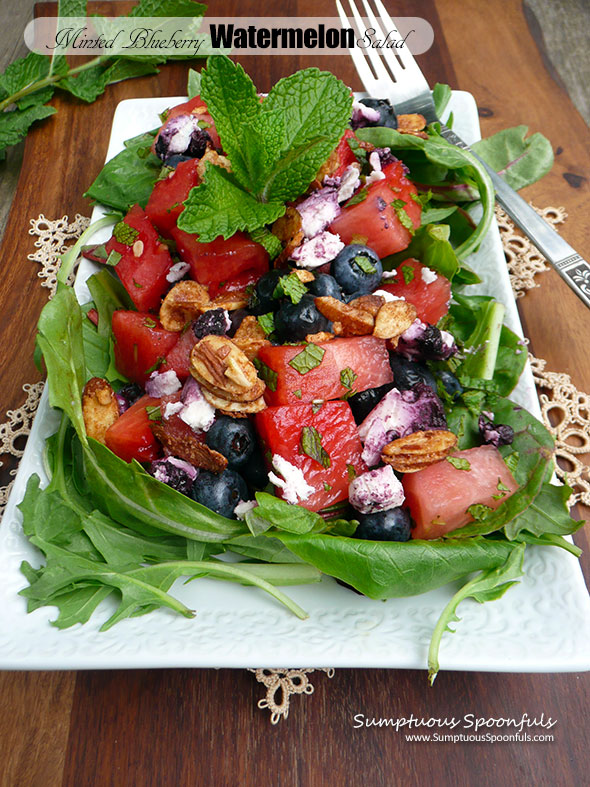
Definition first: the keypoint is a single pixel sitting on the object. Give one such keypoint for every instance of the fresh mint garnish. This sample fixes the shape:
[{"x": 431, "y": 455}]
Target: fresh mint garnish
[
  {"x": 310, "y": 357},
  {"x": 297, "y": 393},
  {"x": 267, "y": 374},
  {"x": 99, "y": 251},
  {"x": 350, "y": 469},
  {"x": 290, "y": 287},
  {"x": 267, "y": 322},
  {"x": 123, "y": 233},
  {"x": 317, "y": 406},
  {"x": 113, "y": 259},
  {"x": 276, "y": 146},
  {"x": 459, "y": 463},
  {"x": 511, "y": 461},
  {"x": 311, "y": 445},
  {"x": 149, "y": 323},
  {"x": 479, "y": 511},
  {"x": 158, "y": 363},
  {"x": 154, "y": 413},
  {"x": 347, "y": 378},
  {"x": 399, "y": 205},
  {"x": 270, "y": 242},
  {"x": 407, "y": 273},
  {"x": 364, "y": 264},
  {"x": 360, "y": 196}
]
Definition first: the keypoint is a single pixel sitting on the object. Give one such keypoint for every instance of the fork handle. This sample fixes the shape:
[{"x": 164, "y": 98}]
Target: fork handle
[{"x": 572, "y": 268}]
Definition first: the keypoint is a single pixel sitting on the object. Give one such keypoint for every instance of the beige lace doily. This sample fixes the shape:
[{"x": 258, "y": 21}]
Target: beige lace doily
[{"x": 566, "y": 410}]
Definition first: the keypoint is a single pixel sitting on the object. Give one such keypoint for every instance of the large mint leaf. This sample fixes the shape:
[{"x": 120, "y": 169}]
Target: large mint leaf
[
  {"x": 15, "y": 124},
  {"x": 315, "y": 108},
  {"x": 233, "y": 101},
  {"x": 220, "y": 207},
  {"x": 155, "y": 8}
]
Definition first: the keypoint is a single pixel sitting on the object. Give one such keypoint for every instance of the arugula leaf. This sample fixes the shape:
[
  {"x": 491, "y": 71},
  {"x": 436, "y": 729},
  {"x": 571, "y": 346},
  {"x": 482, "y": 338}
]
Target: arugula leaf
[
  {"x": 128, "y": 177},
  {"x": 445, "y": 157},
  {"x": 219, "y": 206},
  {"x": 519, "y": 159},
  {"x": 393, "y": 569},
  {"x": 487, "y": 586},
  {"x": 434, "y": 215},
  {"x": 60, "y": 339}
]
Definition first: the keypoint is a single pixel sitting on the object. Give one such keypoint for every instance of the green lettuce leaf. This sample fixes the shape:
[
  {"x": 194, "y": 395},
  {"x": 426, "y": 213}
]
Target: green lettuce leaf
[{"x": 519, "y": 159}]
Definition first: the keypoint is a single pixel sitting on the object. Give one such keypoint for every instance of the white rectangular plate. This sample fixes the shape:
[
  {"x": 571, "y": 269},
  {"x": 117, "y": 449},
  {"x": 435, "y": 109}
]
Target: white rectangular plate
[{"x": 541, "y": 625}]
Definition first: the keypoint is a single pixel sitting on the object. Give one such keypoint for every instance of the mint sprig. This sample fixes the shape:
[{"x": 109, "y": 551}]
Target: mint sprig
[{"x": 276, "y": 146}]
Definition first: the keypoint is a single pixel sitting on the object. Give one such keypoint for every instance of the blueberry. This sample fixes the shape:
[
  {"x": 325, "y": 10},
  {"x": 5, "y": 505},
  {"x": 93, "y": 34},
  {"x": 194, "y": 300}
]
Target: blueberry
[
  {"x": 220, "y": 493},
  {"x": 387, "y": 116},
  {"x": 362, "y": 403},
  {"x": 128, "y": 395},
  {"x": 262, "y": 301},
  {"x": 255, "y": 471},
  {"x": 176, "y": 473},
  {"x": 235, "y": 317},
  {"x": 407, "y": 374},
  {"x": 451, "y": 385},
  {"x": 214, "y": 321},
  {"x": 391, "y": 525},
  {"x": 325, "y": 285},
  {"x": 176, "y": 159},
  {"x": 294, "y": 321},
  {"x": 357, "y": 269},
  {"x": 234, "y": 438}
]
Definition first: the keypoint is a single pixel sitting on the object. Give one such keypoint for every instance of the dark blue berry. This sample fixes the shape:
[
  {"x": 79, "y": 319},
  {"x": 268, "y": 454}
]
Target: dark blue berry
[
  {"x": 325, "y": 285},
  {"x": 176, "y": 159},
  {"x": 128, "y": 395},
  {"x": 211, "y": 322},
  {"x": 235, "y": 438},
  {"x": 262, "y": 301},
  {"x": 451, "y": 385},
  {"x": 357, "y": 269},
  {"x": 235, "y": 317},
  {"x": 362, "y": 403},
  {"x": 255, "y": 472},
  {"x": 387, "y": 116},
  {"x": 294, "y": 321},
  {"x": 407, "y": 374},
  {"x": 495, "y": 434},
  {"x": 220, "y": 493},
  {"x": 392, "y": 525},
  {"x": 168, "y": 471}
]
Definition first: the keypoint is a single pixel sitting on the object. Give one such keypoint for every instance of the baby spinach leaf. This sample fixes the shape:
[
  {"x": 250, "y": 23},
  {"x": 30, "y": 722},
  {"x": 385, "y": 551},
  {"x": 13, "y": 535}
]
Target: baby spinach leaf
[
  {"x": 487, "y": 586},
  {"x": 128, "y": 177},
  {"x": 519, "y": 159},
  {"x": 547, "y": 514},
  {"x": 431, "y": 246},
  {"x": 392, "y": 569},
  {"x": 441, "y": 95},
  {"x": 284, "y": 516}
]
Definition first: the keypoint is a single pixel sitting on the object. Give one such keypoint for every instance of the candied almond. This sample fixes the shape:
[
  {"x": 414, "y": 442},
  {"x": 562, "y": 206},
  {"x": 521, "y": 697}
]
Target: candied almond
[
  {"x": 234, "y": 409},
  {"x": 223, "y": 369},
  {"x": 353, "y": 321},
  {"x": 213, "y": 157},
  {"x": 321, "y": 336},
  {"x": 250, "y": 337},
  {"x": 304, "y": 276},
  {"x": 99, "y": 408},
  {"x": 287, "y": 229},
  {"x": 185, "y": 301},
  {"x": 393, "y": 318},
  {"x": 369, "y": 303},
  {"x": 408, "y": 123},
  {"x": 418, "y": 450},
  {"x": 229, "y": 301},
  {"x": 187, "y": 445}
]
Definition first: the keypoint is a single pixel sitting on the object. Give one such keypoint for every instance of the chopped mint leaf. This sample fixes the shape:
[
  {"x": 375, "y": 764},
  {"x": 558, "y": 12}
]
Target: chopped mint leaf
[
  {"x": 270, "y": 242},
  {"x": 400, "y": 210},
  {"x": 358, "y": 197},
  {"x": 502, "y": 487},
  {"x": 511, "y": 461},
  {"x": 311, "y": 445},
  {"x": 149, "y": 323},
  {"x": 158, "y": 363},
  {"x": 316, "y": 406},
  {"x": 327, "y": 486},
  {"x": 267, "y": 322},
  {"x": 364, "y": 264},
  {"x": 479, "y": 511},
  {"x": 421, "y": 198},
  {"x": 164, "y": 172},
  {"x": 113, "y": 259},
  {"x": 290, "y": 287},
  {"x": 100, "y": 251},
  {"x": 347, "y": 378},
  {"x": 310, "y": 357},
  {"x": 360, "y": 153},
  {"x": 407, "y": 273},
  {"x": 137, "y": 284},
  {"x": 267, "y": 374},
  {"x": 350, "y": 469},
  {"x": 297, "y": 393},
  {"x": 459, "y": 463},
  {"x": 123, "y": 233},
  {"x": 154, "y": 413}
]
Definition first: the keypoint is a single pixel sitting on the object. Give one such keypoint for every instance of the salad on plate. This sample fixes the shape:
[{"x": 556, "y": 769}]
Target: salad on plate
[{"x": 281, "y": 373}]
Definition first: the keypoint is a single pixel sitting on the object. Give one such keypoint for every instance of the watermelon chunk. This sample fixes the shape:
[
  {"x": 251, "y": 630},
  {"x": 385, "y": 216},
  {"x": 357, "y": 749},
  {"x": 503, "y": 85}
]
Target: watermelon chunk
[
  {"x": 438, "y": 496},
  {"x": 281, "y": 430}
]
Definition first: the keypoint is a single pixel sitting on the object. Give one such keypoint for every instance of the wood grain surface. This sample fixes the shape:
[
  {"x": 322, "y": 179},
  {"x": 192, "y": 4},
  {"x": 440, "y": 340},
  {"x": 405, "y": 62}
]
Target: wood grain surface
[{"x": 202, "y": 727}]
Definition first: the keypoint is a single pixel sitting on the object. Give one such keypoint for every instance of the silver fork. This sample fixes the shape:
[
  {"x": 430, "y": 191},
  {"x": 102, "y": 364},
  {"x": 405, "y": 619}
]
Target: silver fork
[{"x": 397, "y": 76}]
